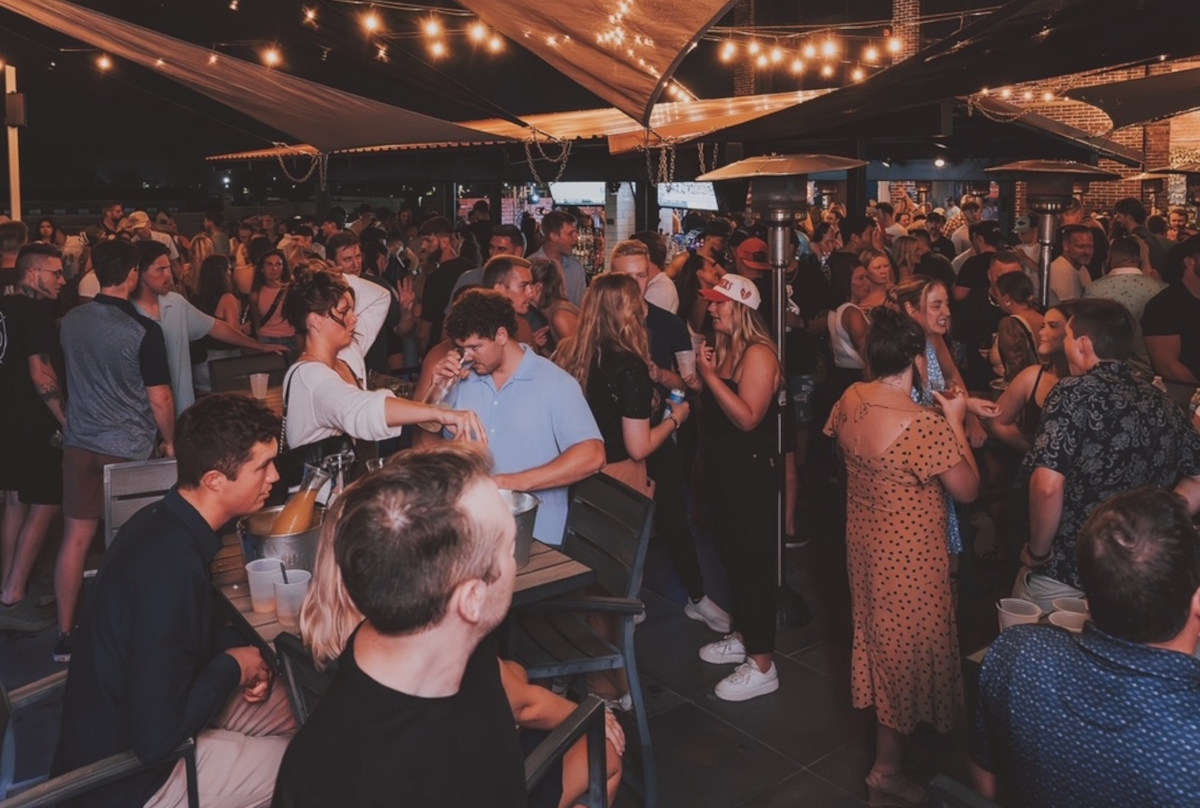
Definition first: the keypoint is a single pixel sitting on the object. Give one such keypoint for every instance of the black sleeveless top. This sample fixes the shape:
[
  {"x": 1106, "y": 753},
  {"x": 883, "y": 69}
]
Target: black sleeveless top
[{"x": 722, "y": 439}]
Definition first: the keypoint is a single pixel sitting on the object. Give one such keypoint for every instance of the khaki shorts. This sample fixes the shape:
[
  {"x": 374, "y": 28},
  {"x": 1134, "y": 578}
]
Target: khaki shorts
[{"x": 83, "y": 482}]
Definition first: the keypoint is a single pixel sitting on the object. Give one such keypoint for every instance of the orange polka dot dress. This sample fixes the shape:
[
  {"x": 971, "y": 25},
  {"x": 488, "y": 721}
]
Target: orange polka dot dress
[{"x": 905, "y": 659}]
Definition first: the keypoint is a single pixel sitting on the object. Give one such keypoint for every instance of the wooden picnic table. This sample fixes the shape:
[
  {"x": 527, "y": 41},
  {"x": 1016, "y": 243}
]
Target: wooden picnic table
[{"x": 549, "y": 573}]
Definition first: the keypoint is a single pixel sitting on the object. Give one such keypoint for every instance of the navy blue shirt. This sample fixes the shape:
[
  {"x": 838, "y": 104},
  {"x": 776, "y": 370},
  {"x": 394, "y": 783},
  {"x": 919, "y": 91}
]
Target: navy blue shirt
[
  {"x": 147, "y": 668},
  {"x": 1089, "y": 720}
]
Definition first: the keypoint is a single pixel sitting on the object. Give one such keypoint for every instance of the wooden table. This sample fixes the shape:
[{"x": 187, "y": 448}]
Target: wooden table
[{"x": 549, "y": 573}]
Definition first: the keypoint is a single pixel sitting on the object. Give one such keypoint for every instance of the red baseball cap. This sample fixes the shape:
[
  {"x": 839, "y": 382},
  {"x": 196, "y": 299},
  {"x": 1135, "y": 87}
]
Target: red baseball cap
[{"x": 753, "y": 253}]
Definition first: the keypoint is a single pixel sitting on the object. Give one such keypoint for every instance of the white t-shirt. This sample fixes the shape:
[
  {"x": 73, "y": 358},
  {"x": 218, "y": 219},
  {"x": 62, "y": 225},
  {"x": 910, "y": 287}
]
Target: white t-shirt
[
  {"x": 661, "y": 292},
  {"x": 321, "y": 404}
]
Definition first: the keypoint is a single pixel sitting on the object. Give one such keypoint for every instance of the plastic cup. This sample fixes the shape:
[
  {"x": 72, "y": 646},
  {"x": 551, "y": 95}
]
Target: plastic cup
[
  {"x": 262, "y": 575},
  {"x": 1077, "y": 605},
  {"x": 1071, "y": 621},
  {"x": 1016, "y": 611},
  {"x": 686, "y": 360},
  {"x": 289, "y": 597},
  {"x": 375, "y": 464},
  {"x": 258, "y": 384}
]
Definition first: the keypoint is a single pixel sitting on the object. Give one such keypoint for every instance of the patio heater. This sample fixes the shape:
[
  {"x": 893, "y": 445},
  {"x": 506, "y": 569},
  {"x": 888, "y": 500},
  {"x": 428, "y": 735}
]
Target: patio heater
[
  {"x": 778, "y": 188},
  {"x": 1050, "y": 186}
]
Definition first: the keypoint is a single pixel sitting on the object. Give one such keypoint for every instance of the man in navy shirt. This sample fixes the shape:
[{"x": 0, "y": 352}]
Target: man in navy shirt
[
  {"x": 153, "y": 663},
  {"x": 1109, "y": 717}
]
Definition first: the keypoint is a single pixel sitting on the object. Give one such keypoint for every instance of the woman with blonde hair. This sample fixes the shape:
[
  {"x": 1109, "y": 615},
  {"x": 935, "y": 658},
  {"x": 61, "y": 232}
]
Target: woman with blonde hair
[
  {"x": 329, "y": 618},
  {"x": 739, "y": 449},
  {"x": 202, "y": 247},
  {"x": 550, "y": 298},
  {"x": 608, "y": 357},
  {"x": 906, "y": 254}
]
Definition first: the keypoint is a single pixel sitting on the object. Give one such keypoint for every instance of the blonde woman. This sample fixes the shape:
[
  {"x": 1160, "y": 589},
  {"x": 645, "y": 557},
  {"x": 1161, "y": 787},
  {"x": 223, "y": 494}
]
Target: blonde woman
[
  {"x": 608, "y": 357},
  {"x": 550, "y": 297},
  {"x": 329, "y": 617},
  {"x": 740, "y": 457},
  {"x": 202, "y": 247},
  {"x": 907, "y": 252}
]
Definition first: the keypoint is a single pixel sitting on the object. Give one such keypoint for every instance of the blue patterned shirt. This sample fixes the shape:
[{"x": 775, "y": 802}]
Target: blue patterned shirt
[
  {"x": 1089, "y": 720},
  {"x": 1107, "y": 432}
]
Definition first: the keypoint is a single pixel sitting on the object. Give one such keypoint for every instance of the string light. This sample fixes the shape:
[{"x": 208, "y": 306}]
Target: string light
[
  {"x": 432, "y": 27},
  {"x": 212, "y": 59},
  {"x": 829, "y": 48},
  {"x": 940, "y": 163},
  {"x": 797, "y": 66},
  {"x": 857, "y": 74},
  {"x": 762, "y": 60},
  {"x": 233, "y": 5},
  {"x": 437, "y": 49},
  {"x": 381, "y": 53},
  {"x": 495, "y": 44},
  {"x": 753, "y": 48},
  {"x": 1047, "y": 96},
  {"x": 103, "y": 62},
  {"x": 1005, "y": 93},
  {"x": 271, "y": 57},
  {"x": 871, "y": 54},
  {"x": 1027, "y": 95},
  {"x": 310, "y": 16},
  {"x": 827, "y": 71},
  {"x": 728, "y": 50},
  {"x": 478, "y": 32},
  {"x": 371, "y": 22},
  {"x": 810, "y": 50},
  {"x": 159, "y": 63},
  {"x": 895, "y": 45},
  {"x": 776, "y": 55}
]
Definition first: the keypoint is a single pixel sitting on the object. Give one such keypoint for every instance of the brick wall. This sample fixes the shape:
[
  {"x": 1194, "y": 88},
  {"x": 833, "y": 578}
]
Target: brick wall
[{"x": 1166, "y": 142}]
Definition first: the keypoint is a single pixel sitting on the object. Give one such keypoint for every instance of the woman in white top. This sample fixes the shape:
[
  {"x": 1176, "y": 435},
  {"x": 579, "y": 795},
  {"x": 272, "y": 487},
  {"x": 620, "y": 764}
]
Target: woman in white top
[
  {"x": 325, "y": 394},
  {"x": 848, "y": 328}
]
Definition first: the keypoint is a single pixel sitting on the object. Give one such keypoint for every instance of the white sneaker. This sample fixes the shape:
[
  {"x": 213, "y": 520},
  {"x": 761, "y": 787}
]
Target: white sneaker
[
  {"x": 708, "y": 613},
  {"x": 747, "y": 682},
  {"x": 724, "y": 652}
]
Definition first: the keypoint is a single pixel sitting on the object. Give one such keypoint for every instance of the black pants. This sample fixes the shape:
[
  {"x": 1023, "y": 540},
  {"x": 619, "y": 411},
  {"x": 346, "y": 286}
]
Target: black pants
[
  {"x": 670, "y": 516},
  {"x": 742, "y": 491}
]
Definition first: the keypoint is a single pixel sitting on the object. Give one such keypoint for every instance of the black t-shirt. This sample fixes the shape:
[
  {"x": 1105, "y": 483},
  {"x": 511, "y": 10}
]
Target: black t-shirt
[
  {"x": 668, "y": 336},
  {"x": 1175, "y": 311},
  {"x": 26, "y": 329},
  {"x": 438, "y": 287},
  {"x": 973, "y": 274},
  {"x": 618, "y": 387},
  {"x": 813, "y": 294},
  {"x": 976, "y": 323},
  {"x": 936, "y": 266},
  {"x": 944, "y": 247},
  {"x": 368, "y": 745}
]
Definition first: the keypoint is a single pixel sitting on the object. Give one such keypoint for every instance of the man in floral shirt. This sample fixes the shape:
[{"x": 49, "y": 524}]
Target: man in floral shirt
[{"x": 1103, "y": 431}]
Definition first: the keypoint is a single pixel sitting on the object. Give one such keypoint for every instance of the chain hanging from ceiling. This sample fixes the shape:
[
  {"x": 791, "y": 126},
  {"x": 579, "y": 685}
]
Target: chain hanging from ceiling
[
  {"x": 703, "y": 164},
  {"x": 318, "y": 163},
  {"x": 559, "y": 159},
  {"x": 665, "y": 172}
]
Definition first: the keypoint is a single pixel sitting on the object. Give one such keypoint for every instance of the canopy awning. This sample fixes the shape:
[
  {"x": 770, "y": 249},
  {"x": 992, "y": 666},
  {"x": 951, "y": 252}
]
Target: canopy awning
[
  {"x": 1019, "y": 116},
  {"x": 624, "y": 52},
  {"x": 1144, "y": 100},
  {"x": 1023, "y": 40},
  {"x": 678, "y": 121},
  {"x": 319, "y": 115}
]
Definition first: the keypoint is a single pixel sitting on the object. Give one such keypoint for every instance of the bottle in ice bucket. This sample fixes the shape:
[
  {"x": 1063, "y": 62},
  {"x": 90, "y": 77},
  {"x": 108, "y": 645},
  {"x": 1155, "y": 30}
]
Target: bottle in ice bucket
[
  {"x": 297, "y": 514},
  {"x": 439, "y": 391},
  {"x": 338, "y": 465}
]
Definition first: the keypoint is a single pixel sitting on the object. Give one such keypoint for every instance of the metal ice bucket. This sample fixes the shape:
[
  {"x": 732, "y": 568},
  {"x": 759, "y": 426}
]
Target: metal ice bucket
[{"x": 295, "y": 550}]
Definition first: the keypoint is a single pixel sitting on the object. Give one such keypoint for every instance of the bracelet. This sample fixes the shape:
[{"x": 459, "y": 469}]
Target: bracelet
[
  {"x": 671, "y": 417},
  {"x": 1040, "y": 559}
]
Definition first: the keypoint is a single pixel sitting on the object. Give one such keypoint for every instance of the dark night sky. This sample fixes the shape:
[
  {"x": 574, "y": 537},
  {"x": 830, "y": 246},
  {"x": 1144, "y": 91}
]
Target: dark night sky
[{"x": 90, "y": 129}]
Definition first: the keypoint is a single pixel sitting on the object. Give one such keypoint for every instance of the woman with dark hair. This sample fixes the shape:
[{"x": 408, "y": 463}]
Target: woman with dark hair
[
  {"x": 901, "y": 461},
  {"x": 1016, "y": 345},
  {"x": 323, "y": 397},
  {"x": 50, "y": 233},
  {"x": 267, "y": 296},
  {"x": 740, "y": 460},
  {"x": 549, "y": 288},
  {"x": 215, "y": 297}
]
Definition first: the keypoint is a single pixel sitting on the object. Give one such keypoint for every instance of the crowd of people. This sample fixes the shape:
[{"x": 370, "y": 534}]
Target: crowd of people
[{"x": 921, "y": 370}]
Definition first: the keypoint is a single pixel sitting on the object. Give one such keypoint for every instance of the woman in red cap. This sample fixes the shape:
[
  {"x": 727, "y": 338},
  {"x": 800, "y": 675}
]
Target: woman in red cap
[{"x": 740, "y": 453}]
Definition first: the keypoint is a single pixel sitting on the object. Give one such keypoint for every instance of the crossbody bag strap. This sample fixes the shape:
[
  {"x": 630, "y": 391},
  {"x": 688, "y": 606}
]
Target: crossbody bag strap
[
  {"x": 287, "y": 386},
  {"x": 275, "y": 304}
]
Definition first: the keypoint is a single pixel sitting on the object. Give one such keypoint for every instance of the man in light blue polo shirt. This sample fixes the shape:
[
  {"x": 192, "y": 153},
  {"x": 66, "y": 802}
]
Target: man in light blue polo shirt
[
  {"x": 540, "y": 429},
  {"x": 181, "y": 322}
]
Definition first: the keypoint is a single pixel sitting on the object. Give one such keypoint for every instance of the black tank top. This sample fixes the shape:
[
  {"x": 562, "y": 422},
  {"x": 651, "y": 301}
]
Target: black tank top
[{"x": 721, "y": 437}]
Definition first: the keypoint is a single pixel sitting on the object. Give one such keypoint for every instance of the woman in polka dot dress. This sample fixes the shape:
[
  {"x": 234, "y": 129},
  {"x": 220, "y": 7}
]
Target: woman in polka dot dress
[{"x": 901, "y": 459}]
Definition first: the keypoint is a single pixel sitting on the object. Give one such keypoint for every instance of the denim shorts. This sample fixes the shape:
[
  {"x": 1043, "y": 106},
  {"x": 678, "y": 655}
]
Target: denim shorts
[{"x": 800, "y": 388}]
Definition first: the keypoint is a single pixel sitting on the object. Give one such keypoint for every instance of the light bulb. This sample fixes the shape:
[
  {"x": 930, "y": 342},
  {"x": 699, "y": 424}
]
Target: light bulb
[
  {"x": 310, "y": 15},
  {"x": 871, "y": 54},
  {"x": 829, "y": 48},
  {"x": 857, "y": 74},
  {"x": 495, "y": 44},
  {"x": 940, "y": 163},
  {"x": 776, "y": 55},
  {"x": 371, "y": 22},
  {"x": 271, "y": 57},
  {"x": 753, "y": 48},
  {"x": 1047, "y": 96},
  {"x": 437, "y": 49},
  {"x": 478, "y": 32},
  {"x": 103, "y": 62},
  {"x": 728, "y": 50},
  {"x": 810, "y": 50},
  {"x": 762, "y": 60},
  {"x": 895, "y": 45},
  {"x": 1005, "y": 93},
  {"x": 432, "y": 27},
  {"x": 797, "y": 66},
  {"x": 827, "y": 71}
]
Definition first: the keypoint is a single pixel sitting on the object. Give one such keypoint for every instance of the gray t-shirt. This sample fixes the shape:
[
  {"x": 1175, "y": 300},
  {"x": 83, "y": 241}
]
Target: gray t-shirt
[
  {"x": 112, "y": 355},
  {"x": 181, "y": 322}
]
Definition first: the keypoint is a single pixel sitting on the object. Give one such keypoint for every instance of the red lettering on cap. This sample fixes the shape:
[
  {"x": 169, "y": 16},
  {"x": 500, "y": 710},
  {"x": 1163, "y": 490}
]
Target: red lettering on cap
[{"x": 745, "y": 294}]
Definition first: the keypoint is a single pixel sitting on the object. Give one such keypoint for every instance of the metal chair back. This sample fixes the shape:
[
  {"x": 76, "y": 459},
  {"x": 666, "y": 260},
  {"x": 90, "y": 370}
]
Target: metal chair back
[
  {"x": 232, "y": 374},
  {"x": 129, "y": 487}
]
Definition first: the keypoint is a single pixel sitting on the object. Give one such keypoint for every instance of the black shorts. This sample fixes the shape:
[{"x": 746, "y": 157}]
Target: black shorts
[{"x": 29, "y": 465}]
